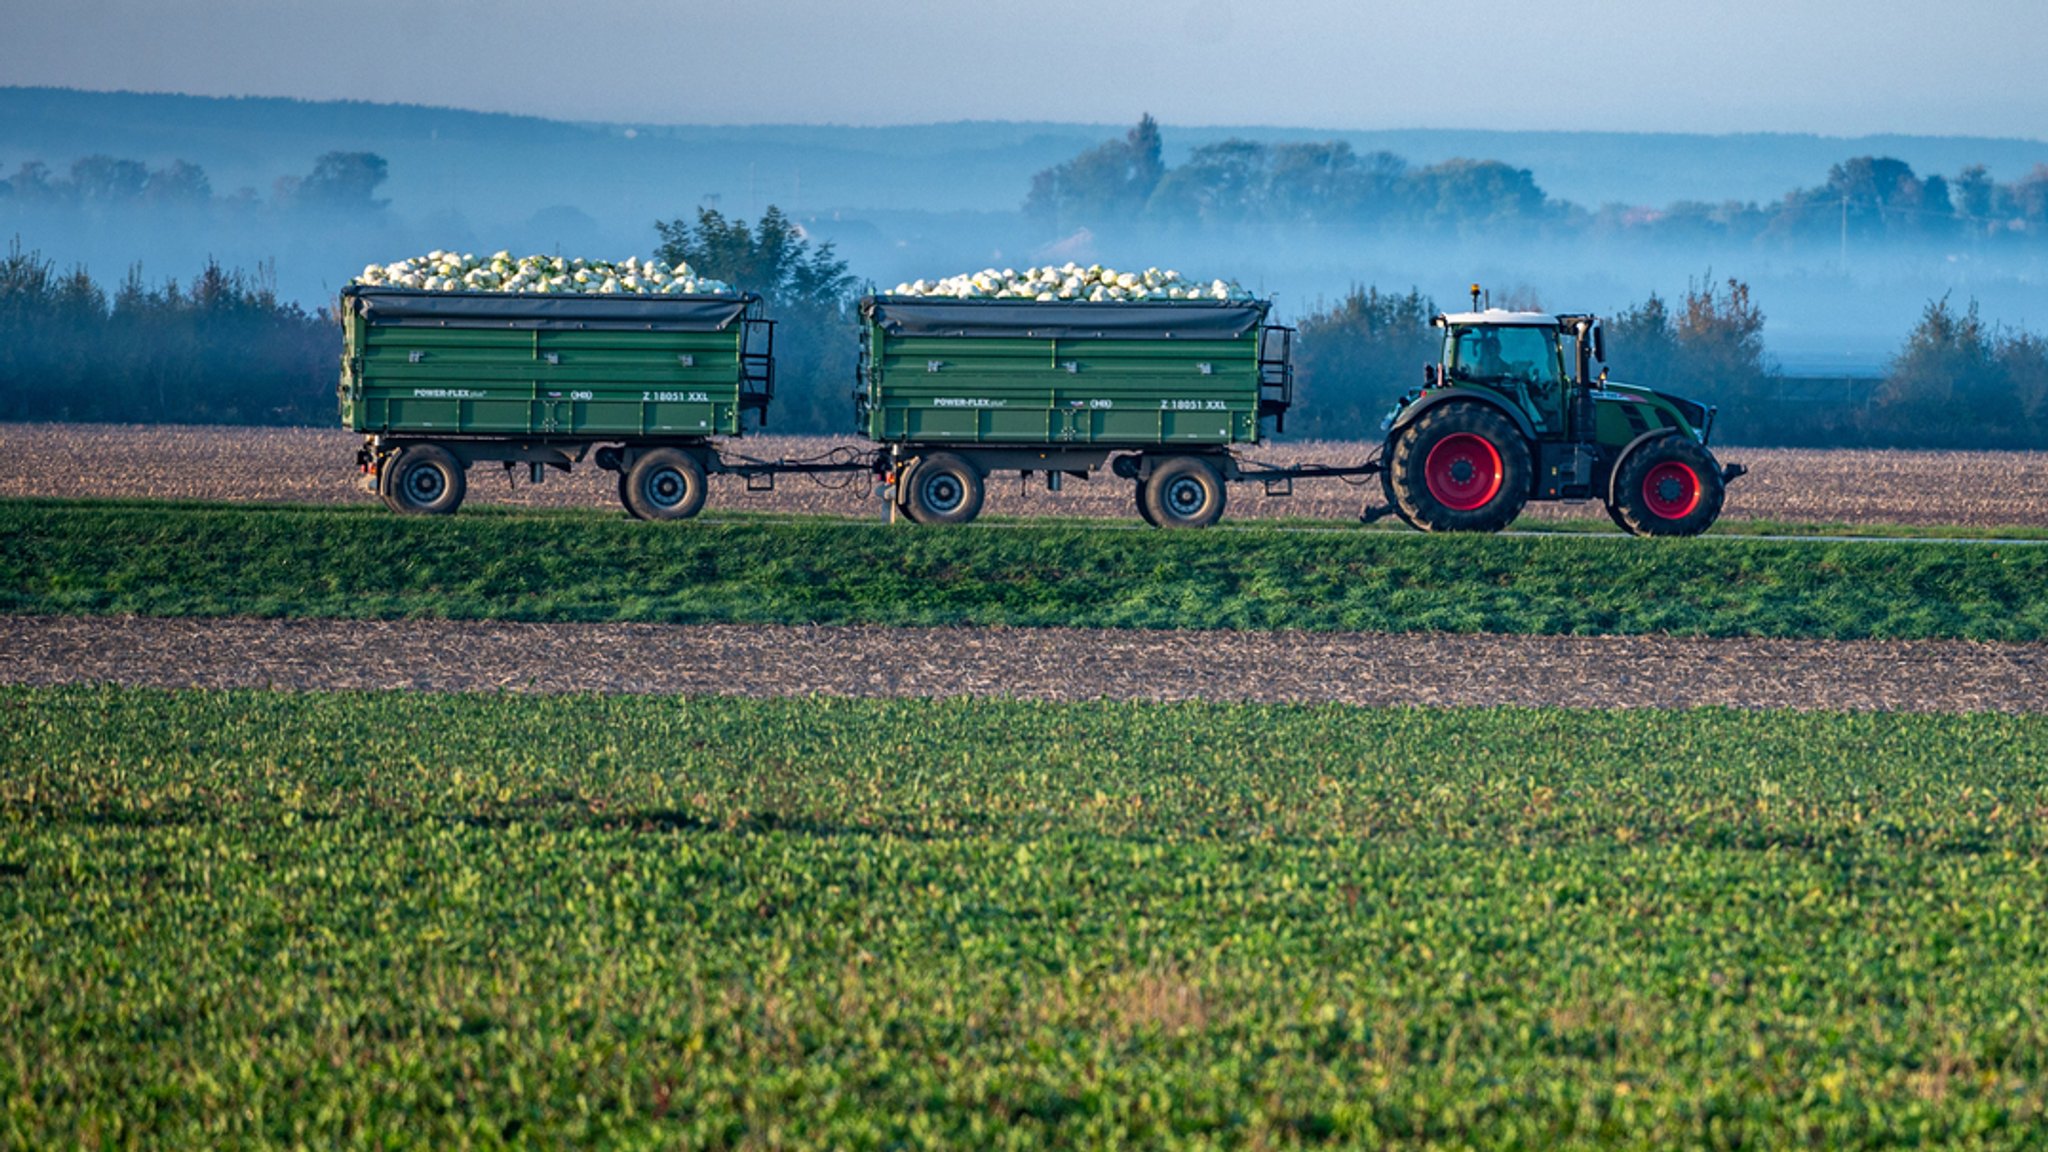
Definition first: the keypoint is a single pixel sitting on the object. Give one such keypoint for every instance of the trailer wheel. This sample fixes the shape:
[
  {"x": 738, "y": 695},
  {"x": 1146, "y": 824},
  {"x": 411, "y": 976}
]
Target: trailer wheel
[
  {"x": 944, "y": 489},
  {"x": 423, "y": 479},
  {"x": 1459, "y": 468},
  {"x": 1184, "y": 492},
  {"x": 1144, "y": 509},
  {"x": 1668, "y": 487},
  {"x": 665, "y": 484},
  {"x": 387, "y": 469}
]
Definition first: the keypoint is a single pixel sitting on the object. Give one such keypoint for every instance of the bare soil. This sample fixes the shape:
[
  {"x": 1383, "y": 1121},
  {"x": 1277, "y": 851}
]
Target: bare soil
[
  {"x": 1041, "y": 664},
  {"x": 316, "y": 466}
]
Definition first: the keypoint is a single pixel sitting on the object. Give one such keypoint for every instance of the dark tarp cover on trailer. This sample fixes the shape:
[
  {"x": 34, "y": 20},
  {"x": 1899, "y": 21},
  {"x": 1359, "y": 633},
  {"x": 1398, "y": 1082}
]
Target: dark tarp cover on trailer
[
  {"x": 1179, "y": 319},
  {"x": 409, "y": 308}
]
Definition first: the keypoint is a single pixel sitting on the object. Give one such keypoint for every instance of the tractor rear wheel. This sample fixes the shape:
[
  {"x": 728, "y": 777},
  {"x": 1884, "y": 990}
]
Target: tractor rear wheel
[
  {"x": 1668, "y": 487},
  {"x": 1459, "y": 468}
]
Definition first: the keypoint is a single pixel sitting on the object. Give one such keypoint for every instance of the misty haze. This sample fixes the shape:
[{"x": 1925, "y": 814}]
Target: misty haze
[{"x": 1841, "y": 264}]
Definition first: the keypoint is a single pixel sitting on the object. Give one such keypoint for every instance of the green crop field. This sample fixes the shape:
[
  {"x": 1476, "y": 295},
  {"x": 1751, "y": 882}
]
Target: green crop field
[
  {"x": 240, "y": 918},
  {"x": 167, "y": 559}
]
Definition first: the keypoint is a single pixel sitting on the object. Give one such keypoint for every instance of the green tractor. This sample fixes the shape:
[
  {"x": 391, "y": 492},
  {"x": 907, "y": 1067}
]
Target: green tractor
[{"x": 1513, "y": 413}]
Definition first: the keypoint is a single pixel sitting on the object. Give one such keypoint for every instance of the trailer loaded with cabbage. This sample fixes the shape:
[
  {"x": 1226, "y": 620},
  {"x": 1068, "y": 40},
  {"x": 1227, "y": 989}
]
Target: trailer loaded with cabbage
[
  {"x": 440, "y": 381},
  {"x": 1156, "y": 391}
]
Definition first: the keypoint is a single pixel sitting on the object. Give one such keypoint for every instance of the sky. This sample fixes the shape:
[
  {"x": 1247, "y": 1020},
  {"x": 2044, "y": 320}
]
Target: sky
[{"x": 1835, "y": 67}]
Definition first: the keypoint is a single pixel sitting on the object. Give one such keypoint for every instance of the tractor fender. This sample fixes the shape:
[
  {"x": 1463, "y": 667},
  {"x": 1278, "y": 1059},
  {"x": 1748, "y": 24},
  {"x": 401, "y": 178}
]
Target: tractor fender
[
  {"x": 1414, "y": 412},
  {"x": 1630, "y": 448}
]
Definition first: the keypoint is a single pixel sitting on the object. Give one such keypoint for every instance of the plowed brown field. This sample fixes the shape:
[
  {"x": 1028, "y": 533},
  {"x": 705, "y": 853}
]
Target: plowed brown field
[
  {"x": 313, "y": 465},
  {"x": 1028, "y": 663}
]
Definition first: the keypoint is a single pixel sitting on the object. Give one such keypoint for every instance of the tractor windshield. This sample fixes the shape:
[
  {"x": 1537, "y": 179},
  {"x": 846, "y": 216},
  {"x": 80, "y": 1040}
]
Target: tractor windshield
[{"x": 1505, "y": 354}]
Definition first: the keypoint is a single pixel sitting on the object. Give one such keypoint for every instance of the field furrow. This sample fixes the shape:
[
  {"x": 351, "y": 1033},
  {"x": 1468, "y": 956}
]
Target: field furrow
[{"x": 1057, "y": 664}]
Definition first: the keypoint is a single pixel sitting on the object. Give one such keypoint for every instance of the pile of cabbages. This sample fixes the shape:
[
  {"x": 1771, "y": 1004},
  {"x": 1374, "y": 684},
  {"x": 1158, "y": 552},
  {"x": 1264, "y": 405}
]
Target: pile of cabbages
[
  {"x": 440, "y": 271},
  {"x": 1073, "y": 282}
]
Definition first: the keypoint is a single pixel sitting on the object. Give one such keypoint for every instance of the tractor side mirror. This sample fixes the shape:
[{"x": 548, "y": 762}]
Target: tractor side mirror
[
  {"x": 1429, "y": 376},
  {"x": 1600, "y": 343}
]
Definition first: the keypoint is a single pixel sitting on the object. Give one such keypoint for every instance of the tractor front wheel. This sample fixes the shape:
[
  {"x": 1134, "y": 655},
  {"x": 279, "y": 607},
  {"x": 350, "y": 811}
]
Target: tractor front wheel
[
  {"x": 1459, "y": 468},
  {"x": 1668, "y": 487}
]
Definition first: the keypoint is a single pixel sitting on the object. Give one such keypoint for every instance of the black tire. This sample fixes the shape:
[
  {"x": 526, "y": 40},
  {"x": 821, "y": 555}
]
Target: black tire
[
  {"x": 1184, "y": 492},
  {"x": 944, "y": 489},
  {"x": 665, "y": 484},
  {"x": 423, "y": 480},
  {"x": 1667, "y": 487},
  {"x": 1387, "y": 487},
  {"x": 1144, "y": 512},
  {"x": 386, "y": 469},
  {"x": 1459, "y": 468}
]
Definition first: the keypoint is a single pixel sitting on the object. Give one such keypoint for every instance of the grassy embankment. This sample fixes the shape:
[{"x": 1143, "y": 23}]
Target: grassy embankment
[
  {"x": 233, "y": 917},
  {"x": 60, "y": 557}
]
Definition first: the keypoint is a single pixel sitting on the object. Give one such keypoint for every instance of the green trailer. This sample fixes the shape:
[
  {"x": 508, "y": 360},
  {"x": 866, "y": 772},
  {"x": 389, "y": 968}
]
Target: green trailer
[
  {"x": 1158, "y": 392},
  {"x": 439, "y": 381}
]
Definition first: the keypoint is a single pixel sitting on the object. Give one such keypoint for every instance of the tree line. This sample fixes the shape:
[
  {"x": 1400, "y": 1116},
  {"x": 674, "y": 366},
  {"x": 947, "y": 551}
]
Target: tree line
[
  {"x": 809, "y": 294},
  {"x": 1245, "y": 182},
  {"x": 1327, "y": 184},
  {"x": 222, "y": 348},
  {"x": 219, "y": 349},
  {"x": 1956, "y": 381},
  {"x": 340, "y": 182}
]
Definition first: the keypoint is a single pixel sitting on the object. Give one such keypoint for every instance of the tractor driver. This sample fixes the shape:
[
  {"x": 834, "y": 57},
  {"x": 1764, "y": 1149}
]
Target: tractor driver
[{"x": 1483, "y": 360}]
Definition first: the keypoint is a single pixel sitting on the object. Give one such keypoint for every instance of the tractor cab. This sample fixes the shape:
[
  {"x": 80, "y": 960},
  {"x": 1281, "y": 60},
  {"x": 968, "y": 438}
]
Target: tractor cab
[{"x": 1520, "y": 355}]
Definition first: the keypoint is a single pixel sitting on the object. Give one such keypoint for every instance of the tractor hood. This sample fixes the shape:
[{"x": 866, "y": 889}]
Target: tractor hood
[{"x": 1698, "y": 417}]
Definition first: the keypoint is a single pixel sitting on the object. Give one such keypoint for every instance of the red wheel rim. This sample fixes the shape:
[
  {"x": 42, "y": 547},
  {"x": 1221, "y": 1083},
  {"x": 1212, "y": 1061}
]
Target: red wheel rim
[
  {"x": 1671, "y": 490},
  {"x": 1463, "y": 471}
]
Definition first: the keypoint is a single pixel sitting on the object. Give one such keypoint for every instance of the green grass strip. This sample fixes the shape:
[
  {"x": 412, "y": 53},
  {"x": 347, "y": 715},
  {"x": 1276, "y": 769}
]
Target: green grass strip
[
  {"x": 359, "y": 563},
  {"x": 240, "y": 919}
]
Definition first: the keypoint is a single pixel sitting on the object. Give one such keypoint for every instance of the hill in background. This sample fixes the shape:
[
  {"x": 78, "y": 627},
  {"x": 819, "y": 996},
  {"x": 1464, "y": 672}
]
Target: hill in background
[
  {"x": 450, "y": 158},
  {"x": 932, "y": 199}
]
